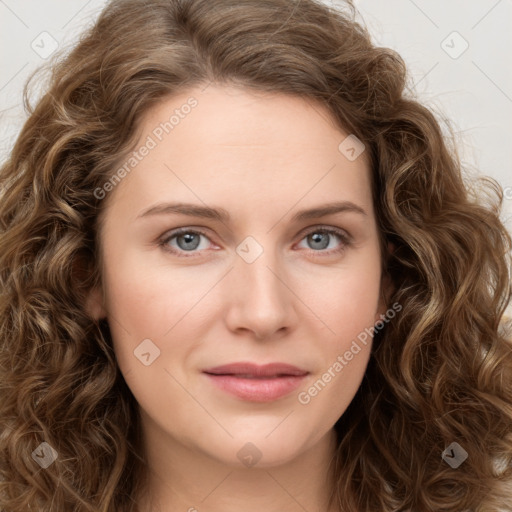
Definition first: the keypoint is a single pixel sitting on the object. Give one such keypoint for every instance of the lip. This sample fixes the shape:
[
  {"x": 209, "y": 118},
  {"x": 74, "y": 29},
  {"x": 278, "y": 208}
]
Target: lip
[{"x": 257, "y": 383}]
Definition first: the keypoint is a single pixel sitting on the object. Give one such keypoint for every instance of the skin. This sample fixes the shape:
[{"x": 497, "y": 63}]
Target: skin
[{"x": 262, "y": 157}]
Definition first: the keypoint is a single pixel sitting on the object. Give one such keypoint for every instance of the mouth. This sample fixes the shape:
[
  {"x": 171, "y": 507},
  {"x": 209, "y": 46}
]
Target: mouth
[{"x": 256, "y": 383}]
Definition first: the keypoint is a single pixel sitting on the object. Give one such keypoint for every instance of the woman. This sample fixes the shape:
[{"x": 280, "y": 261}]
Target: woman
[{"x": 240, "y": 269}]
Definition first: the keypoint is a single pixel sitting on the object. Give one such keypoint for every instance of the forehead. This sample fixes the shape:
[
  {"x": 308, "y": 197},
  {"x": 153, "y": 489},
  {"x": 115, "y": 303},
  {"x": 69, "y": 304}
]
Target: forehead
[{"x": 251, "y": 149}]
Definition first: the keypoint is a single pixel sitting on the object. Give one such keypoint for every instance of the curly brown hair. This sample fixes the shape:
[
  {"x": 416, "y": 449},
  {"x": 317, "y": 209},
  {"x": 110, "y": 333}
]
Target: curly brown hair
[{"x": 440, "y": 372}]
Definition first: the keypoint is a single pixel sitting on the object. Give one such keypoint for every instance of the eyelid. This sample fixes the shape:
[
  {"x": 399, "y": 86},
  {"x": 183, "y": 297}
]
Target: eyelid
[
  {"x": 169, "y": 235},
  {"x": 328, "y": 228},
  {"x": 346, "y": 238}
]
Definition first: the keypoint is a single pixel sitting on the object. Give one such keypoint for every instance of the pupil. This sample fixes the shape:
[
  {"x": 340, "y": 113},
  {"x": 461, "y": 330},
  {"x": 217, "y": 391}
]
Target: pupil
[
  {"x": 317, "y": 238},
  {"x": 189, "y": 241}
]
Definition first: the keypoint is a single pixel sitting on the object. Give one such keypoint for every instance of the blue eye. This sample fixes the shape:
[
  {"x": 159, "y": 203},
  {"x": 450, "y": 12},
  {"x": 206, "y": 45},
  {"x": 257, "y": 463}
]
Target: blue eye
[
  {"x": 187, "y": 240},
  {"x": 320, "y": 238},
  {"x": 183, "y": 240}
]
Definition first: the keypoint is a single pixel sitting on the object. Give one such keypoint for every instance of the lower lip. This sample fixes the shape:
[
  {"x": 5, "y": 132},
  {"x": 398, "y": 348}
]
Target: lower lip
[{"x": 257, "y": 390}]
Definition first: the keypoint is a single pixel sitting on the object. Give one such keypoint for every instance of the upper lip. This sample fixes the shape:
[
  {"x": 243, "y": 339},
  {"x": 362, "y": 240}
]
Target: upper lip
[{"x": 251, "y": 369}]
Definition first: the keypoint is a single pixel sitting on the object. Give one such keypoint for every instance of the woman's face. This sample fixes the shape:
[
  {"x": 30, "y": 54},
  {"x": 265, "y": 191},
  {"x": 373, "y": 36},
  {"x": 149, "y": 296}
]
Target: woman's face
[{"x": 252, "y": 278}]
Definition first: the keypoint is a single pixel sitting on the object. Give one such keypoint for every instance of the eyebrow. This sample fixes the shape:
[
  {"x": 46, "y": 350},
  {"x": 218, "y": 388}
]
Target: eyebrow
[{"x": 222, "y": 215}]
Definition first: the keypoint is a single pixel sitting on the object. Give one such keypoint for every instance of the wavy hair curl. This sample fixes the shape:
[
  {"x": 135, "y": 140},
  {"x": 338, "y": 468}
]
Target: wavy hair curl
[{"x": 441, "y": 371}]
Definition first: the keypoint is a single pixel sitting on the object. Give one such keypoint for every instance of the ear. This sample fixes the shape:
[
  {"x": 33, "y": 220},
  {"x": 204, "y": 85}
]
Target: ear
[
  {"x": 95, "y": 305},
  {"x": 386, "y": 289}
]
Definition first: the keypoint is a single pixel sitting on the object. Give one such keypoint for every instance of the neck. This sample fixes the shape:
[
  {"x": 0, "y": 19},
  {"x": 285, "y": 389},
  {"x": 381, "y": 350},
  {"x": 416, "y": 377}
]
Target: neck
[{"x": 182, "y": 478}]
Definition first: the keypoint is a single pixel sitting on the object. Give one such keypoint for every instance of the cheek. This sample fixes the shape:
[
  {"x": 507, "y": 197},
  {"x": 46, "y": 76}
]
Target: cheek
[
  {"x": 326, "y": 397},
  {"x": 358, "y": 304},
  {"x": 154, "y": 302},
  {"x": 348, "y": 306},
  {"x": 149, "y": 299},
  {"x": 347, "y": 302}
]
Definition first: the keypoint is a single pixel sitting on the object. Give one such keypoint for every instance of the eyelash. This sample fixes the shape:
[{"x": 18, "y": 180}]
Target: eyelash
[{"x": 345, "y": 240}]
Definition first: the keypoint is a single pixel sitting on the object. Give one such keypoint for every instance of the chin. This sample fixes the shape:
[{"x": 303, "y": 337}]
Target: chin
[{"x": 257, "y": 451}]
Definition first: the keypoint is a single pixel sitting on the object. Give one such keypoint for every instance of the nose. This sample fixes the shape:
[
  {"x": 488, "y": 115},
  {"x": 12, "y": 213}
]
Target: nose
[{"x": 260, "y": 299}]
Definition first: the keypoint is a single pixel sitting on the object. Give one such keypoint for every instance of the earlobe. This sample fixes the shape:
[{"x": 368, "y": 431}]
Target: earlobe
[{"x": 94, "y": 305}]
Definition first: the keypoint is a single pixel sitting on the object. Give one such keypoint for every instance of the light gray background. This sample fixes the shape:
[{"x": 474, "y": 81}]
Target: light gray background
[{"x": 473, "y": 88}]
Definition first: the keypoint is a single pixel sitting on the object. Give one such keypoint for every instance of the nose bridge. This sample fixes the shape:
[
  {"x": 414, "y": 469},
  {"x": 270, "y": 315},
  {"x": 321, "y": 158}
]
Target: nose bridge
[
  {"x": 257, "y": 269},
  {"x": 261, "y": 301}
]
